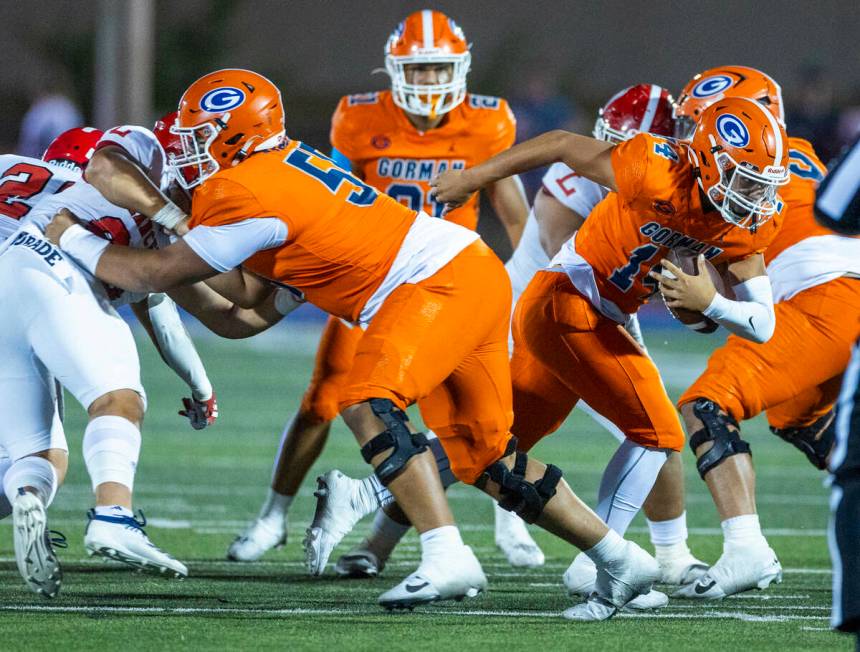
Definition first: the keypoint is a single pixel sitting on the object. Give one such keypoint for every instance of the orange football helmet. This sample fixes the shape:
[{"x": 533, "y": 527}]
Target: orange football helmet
[
  {"x": 427, "y": 37},
  {"x": 223, "y": 118},
  {"x": 644, "y": 107},
  {"x": 718, "y": 83},
  {"x": 740, "y": 152}
]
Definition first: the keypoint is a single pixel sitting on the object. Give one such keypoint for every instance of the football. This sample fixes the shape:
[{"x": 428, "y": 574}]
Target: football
[{"x": 688, "y": 261}]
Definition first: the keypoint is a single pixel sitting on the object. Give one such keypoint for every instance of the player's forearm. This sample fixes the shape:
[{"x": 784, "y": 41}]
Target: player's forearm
[
  {"x": 534, "y": 153},
  {"x": 223, "y": 317},
  {"x": 752, "y": 316},
  {"x": 509, "y": 202},
  {"x": 123, "y": 183},
  {"x": 176, "y": 347}
]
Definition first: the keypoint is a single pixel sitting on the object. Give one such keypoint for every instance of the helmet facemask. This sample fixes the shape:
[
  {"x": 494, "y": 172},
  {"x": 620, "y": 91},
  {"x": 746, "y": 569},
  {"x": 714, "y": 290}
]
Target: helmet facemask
[
  {"x": 744, "y": 196},
  {"x": 196, "y": 163},
  {"x": 685, "y": 126},
  {"x": 603, "y": 131},
  {"x": 430, "y": 100}
]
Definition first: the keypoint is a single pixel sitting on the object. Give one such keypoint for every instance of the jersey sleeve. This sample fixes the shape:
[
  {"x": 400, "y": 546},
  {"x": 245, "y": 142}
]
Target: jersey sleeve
[
  {"x": 227, "y": 246},
  {"x": 573, "y": 191},
  {"x": 219, "y": 202},
  {"x": 646, "y": 169},
  {"x": 345, "y": 131},
  {"x": 141, "y": 145}
]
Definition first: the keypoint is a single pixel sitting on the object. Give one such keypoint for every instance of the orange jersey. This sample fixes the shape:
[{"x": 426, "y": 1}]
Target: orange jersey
[
  {"x": 798, "y": 195},
  {"x": 658, "y": 206},
  {"x": 389, "y": 153}
]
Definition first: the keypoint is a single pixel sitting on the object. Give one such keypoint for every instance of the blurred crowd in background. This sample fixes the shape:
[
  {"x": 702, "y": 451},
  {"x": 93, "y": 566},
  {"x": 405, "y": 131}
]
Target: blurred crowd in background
[{"x": 543, "y": 94}]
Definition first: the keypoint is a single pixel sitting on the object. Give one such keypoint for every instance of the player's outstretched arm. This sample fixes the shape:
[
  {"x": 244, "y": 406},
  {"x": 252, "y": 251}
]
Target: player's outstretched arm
[
  {"x": 508, "y": 199},
  {"x": 588, "y": 156},
  {"x": 136, "y": 270}
]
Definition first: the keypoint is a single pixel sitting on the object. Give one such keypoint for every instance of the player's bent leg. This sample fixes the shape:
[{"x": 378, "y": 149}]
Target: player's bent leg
[
  {"x": 30, "y": 484},
  {"x": 724, "y": 462}
]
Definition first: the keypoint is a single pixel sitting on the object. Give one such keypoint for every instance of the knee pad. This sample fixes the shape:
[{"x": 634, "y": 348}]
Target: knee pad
[
  {"x": 516, "y": 494},
  {"x": 111, "y": 450},
  {"x": 442, "y": 462},
  {"x": 403, "y": 444},
  {"x": 815, "y": 441},
  {"x": 716, "y": 424}
]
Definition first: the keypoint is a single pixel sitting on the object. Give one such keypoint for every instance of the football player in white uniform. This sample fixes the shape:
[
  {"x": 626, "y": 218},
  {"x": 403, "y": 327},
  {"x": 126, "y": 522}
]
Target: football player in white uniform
[{"x": 65, "y": 326}]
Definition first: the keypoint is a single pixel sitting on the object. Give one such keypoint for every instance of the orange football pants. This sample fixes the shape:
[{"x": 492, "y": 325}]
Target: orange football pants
[
  {"x": 796, "y": 375},
  {"x": 443, "y": 342},
  {"x": 565, "y": 350},
  {"x": 335, "y": 354}
]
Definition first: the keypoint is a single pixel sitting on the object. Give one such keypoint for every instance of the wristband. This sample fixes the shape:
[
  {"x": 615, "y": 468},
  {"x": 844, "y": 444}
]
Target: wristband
[
  {"x": 169, "y": 216},
  {"x": 85, "y": 247}
]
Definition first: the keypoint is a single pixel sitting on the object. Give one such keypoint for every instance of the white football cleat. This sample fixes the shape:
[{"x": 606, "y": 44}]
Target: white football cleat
[
  {"x": 580, "y": 576},
  {"x": 360, "y": 562},
  {"x": 339, "y": 508},
  {"x": 260, "y": 537},
  {"x": 513, "y": 539},
  {"x": 454, "y": 577},
  {"x": 681, "y": 570},
  {"x": 735, "y": 571},
  {"x": 122, "y": 538},
  {"x": 36, "y": 559}
]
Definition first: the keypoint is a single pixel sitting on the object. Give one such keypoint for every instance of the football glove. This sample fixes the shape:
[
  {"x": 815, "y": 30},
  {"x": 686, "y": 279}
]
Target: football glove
[{"x": 200, "y": 413}]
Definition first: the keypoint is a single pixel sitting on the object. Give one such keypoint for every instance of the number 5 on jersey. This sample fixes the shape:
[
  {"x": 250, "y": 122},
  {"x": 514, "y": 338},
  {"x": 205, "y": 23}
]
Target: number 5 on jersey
[{"x": 325, "y": 170}]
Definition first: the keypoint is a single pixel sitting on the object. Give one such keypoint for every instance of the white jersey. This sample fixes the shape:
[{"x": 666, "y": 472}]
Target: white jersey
[
  {"x": 107, "y": 220},
  {"x": 575, "y": 192},
  {"x": 24, "y": 182}
]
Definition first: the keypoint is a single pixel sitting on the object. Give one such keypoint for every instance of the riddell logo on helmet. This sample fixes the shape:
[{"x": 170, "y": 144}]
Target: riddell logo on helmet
[
  {"x": 222, "y": 99},
  {"x": 732, "y": 130},
  {"x": 710, "y": 86}
]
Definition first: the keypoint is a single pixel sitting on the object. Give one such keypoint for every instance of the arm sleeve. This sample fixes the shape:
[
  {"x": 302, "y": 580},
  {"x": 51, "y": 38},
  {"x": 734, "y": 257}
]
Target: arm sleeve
[
  {"x": 752, "y": 315},
  {"x": 226, "y": 247},
  {"x": 176, "y": 346},
  {"x": 141, "y": 145}
]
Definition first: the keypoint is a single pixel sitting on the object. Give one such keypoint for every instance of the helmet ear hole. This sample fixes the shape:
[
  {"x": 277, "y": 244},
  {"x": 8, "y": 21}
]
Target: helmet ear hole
[{"x": 234, "y": 139}]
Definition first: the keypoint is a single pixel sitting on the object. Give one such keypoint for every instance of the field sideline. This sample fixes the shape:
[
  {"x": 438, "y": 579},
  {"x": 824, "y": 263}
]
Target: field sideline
[{"x": 199, "y": 489}]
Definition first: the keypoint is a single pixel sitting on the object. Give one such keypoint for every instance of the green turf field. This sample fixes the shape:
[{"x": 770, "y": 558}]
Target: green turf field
[{"x": 199, "y": 489}]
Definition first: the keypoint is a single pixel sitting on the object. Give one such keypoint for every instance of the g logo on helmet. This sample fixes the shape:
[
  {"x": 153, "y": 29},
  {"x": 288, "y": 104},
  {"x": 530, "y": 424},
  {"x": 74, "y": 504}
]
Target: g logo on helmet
[
  {"x": 219, "y": 100},
  {"x": 732, "y": 130},
  {"x": 712, "y": 85}
]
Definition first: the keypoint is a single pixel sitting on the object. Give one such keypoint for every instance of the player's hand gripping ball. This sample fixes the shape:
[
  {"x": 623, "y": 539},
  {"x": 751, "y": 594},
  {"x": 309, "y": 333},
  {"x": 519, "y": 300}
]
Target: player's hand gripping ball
[{"x": 688, "y": 284}]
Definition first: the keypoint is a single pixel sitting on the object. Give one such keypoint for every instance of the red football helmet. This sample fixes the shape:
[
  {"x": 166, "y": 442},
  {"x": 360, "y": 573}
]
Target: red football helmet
[
  {"x": 740, "y": 152},
  {"x": 718, "y": 83},
  {"x": 646, "y": 107},
  {"x": 169, "y": 141},
  {"x": 223, "y": 118},
  {"x": 428, "y": 37},
  {"x": 73, "y": 148}
]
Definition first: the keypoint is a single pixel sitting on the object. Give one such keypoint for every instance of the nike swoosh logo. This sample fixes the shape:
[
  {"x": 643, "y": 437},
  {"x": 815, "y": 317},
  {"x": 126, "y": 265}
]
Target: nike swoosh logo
[
  {"x": 751, "y": 324},
  {"x": 700, "y": 589},
  {"x": 414, "y": 588}
]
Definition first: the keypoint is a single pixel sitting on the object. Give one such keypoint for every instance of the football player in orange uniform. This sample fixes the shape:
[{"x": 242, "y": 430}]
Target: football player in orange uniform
[
  {"x": 718, "y": 198},
  {"x": 795, "y": 376},
  {"x": 285, "y": 212},
  {"x": 396, "y": 141}
]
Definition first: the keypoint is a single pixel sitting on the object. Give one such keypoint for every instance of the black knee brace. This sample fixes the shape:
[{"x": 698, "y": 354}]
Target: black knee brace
[
  {"x": 716, "y": 429},
  {"x": 516, "y": 494},
  {"x": 814, "y": 441},
  {"x": 443, "y": 464},
  {"x": 397, "y": 437}
]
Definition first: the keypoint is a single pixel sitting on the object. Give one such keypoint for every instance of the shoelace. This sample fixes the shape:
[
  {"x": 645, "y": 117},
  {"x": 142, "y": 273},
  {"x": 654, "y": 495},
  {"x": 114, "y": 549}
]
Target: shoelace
[
  {"x": 128, "y": 521},
  {"x": 58, "y": 539}
]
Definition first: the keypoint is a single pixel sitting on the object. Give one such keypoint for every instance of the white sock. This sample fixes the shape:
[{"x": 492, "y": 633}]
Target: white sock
[
  {"x": 383, "y": 496},
  {"x": 742, "y": 531},
  {"x": 276, "y": 506},
  {"x": 111, "y": 449},
  {"x": 669, "y": 532},
  {"x": 440, "y": 542},
  {"x": 626, "y": 483},
  {"x": 113, "y": 510},
  {"x": 609, "y": 548},
  {"x": 31, "y": 471},
  {"x": 385, "y": 534},
  {"x": 5, "y": 505}
]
